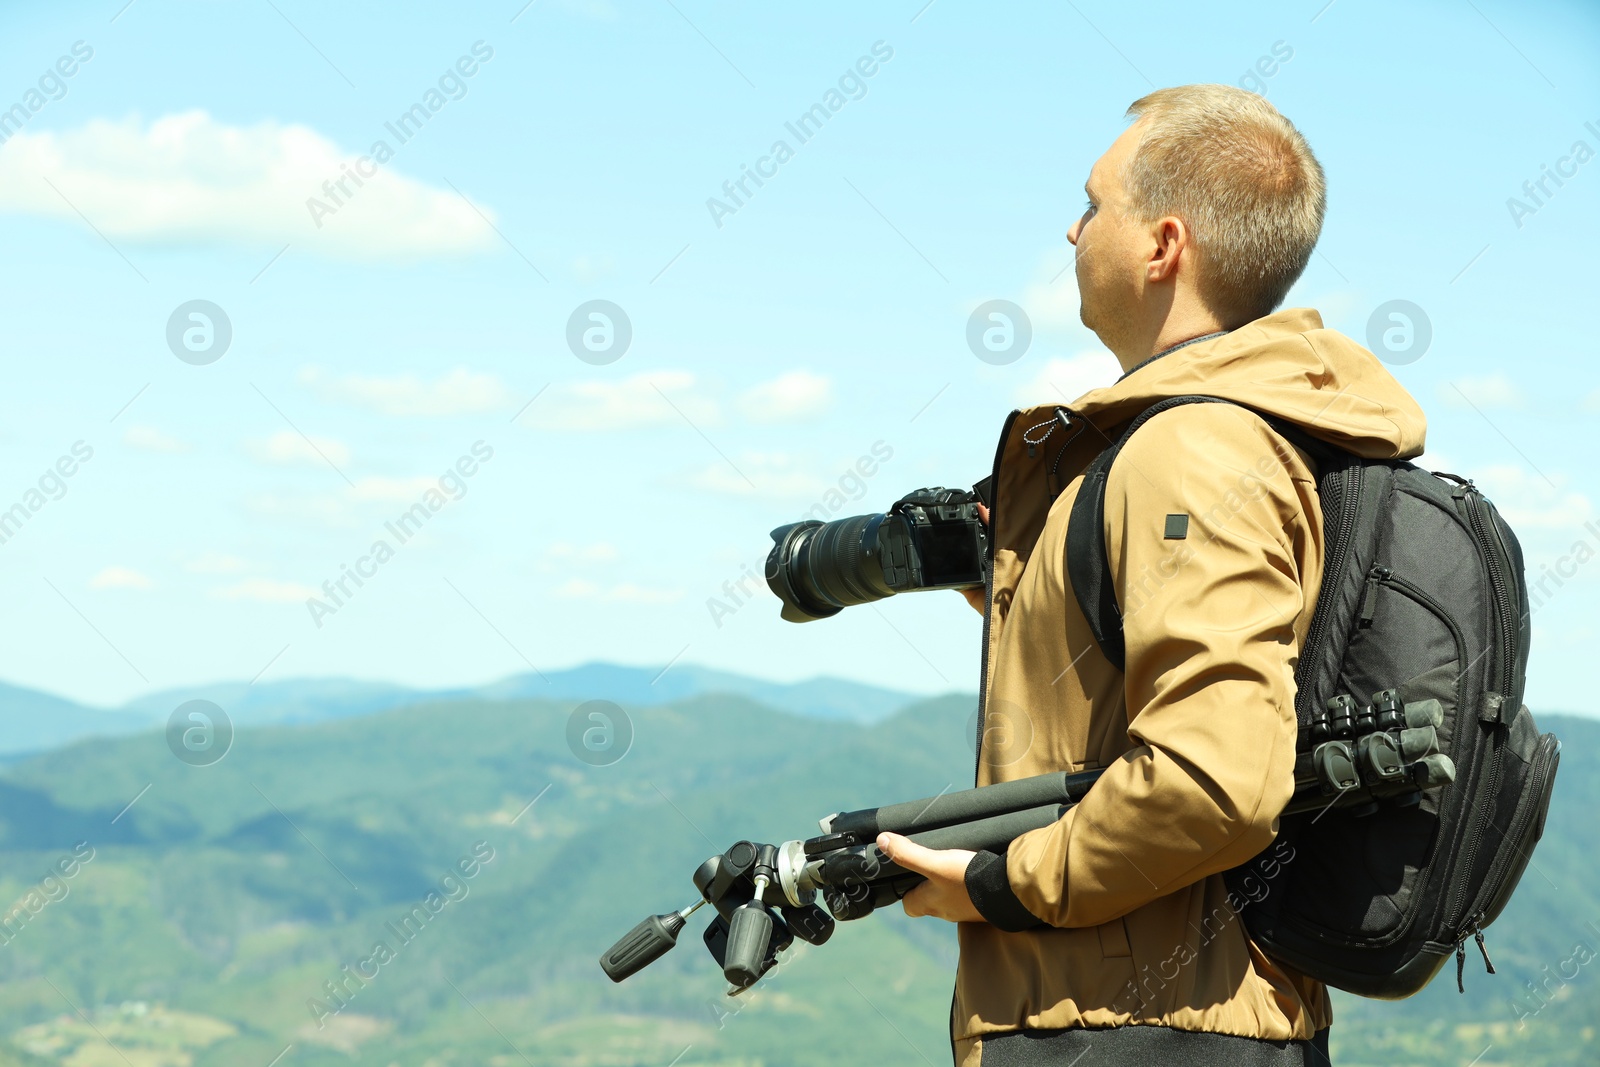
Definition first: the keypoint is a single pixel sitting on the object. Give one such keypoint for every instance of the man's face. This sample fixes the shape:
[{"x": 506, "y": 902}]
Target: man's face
[{"x": 1112, "y": 249}]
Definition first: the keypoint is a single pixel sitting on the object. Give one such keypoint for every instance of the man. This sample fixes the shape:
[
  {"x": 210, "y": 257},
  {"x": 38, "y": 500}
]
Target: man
[{"x": 1111, "y": 930}]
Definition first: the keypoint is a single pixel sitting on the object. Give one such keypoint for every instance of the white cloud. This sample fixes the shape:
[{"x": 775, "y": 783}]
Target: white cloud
[
  {"x": 120, "y": 578},
  {"x": 1432, "y": 460},
  {"x": 1592, "y": 402},
  {"x": 628, "y": 593},
  {"x": 288, "y": 447},
  {"x": 150, "y": 439},
  {"x": 318, "y": 509},
  {"x": 642, "y": 400},
  {"x": 1052, "y": 304},
  {"x": 217, "y": 563},
  {"x": 1051, "y": 299},
  {"x": 1061, "y": 381},
  {"x": 266, "y": 591},
  {"x": 393, "y": 490},
  {"x": 347, "y": 505},
  {"x": 595, "y": 553},
  {"x": 460, "y": 392},
  {"x": 625, "y": 593},
  {"x": 668, "y": 397},
  {"x": 577, "y": 588},
  {"x": 1486, "y": 392},
  {"x": 790, "y": 397},
  {"x": 773, "y": 474},
  {"x": 190, "y": 178},
  {"x": 1528, "y": 502},
  {"x": 590, "y": 269},
  {"x": 1333, "y": 305}
]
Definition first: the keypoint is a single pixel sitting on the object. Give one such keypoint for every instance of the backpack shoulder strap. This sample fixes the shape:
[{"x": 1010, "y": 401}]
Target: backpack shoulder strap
[{"x": 1089, "y": 565}]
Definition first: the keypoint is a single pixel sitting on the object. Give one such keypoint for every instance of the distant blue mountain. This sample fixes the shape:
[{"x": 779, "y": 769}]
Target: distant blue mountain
[
  {"x": 293, "y": 701},
  {"x": 33, "y": 721},
  {"x": 820, "y": 698}
]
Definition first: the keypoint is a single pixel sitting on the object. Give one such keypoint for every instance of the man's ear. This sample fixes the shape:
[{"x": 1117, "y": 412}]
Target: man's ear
[{"x": 1171, "y": 238}]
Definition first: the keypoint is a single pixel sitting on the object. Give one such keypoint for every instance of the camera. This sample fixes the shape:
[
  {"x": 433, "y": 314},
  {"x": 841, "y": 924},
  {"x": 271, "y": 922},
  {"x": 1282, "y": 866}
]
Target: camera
[{"x": 929, "y": 539}]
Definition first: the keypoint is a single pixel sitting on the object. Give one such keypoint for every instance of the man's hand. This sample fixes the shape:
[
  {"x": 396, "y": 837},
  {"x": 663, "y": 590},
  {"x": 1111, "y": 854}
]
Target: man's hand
[
  {"x": 944, "y": 894},
  {"x": 975, "y": 596}
]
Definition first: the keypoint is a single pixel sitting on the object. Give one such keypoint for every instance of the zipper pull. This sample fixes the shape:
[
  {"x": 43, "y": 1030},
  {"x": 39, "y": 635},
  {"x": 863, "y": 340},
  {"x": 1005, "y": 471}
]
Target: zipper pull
[
  {"x": 1461, "y": 964},
  {"x": 1488, "y": 964},
  {"x": 1033, "y": 445},
  {"x": 1369, "y": 598}
]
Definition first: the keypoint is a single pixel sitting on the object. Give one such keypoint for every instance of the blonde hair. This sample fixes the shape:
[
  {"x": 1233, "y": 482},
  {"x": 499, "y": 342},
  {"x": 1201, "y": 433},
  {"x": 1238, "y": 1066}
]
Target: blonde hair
[{"x": 1231, "y": 166}]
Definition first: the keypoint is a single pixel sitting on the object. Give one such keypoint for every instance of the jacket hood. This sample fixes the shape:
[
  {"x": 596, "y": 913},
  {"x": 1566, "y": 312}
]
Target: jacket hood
[{"x": 1284, "y": 364}]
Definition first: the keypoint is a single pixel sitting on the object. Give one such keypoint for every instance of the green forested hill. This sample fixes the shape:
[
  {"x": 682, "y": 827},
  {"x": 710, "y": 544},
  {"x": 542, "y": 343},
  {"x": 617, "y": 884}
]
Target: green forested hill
[{"x": 213, "y": 913}]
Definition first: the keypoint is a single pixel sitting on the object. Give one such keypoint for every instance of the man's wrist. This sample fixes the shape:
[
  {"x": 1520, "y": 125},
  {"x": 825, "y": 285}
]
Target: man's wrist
[{"x": 991, "y": 893}]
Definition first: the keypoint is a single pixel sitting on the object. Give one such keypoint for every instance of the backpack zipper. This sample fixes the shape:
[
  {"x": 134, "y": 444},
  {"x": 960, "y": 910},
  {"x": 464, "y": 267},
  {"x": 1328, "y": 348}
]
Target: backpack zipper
[
  {"x": 1489, "y": 780},
  {"x": 1489, "y": 542},
  {"x": 1369, "y": 596},
  {"x": 1385, "y": 576},
  {"x": 1534, "y": 788},
  {"x": 1519, "y": 820},
  {"x": 1349, "y": 504},
  {"x": 1461, "y": 952}
]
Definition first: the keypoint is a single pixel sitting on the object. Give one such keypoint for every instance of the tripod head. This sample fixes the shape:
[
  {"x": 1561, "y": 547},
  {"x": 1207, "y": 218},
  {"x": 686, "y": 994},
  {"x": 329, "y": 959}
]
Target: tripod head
[{"x": 758, "y": 916}]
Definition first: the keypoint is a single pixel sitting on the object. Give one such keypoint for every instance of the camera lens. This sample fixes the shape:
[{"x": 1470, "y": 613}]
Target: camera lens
[{"x": 817, "y": 569}]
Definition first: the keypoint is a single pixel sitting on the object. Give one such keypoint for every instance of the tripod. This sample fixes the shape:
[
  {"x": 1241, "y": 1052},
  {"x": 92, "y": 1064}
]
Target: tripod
[{"x": 1356, "y": 758}]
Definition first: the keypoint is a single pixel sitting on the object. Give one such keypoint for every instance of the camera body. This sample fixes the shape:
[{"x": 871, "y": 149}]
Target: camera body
[{"x": 929, "y": 539}]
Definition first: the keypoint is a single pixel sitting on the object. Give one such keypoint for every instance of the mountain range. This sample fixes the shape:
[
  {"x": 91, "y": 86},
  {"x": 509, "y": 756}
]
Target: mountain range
[{"x": 34, "y": 721}]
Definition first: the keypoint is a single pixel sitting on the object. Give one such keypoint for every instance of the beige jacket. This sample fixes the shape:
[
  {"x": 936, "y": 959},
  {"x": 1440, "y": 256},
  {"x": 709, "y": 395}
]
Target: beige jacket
[{"x": 1198, "y": 737}]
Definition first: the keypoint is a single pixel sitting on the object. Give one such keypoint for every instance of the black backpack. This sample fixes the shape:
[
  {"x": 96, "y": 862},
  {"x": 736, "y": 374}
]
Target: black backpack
[{"x": 1422, "y": 591}]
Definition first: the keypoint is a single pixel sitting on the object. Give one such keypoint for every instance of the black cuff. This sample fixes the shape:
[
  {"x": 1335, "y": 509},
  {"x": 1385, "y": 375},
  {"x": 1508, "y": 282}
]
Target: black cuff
[{"x": 991, "y": 894}]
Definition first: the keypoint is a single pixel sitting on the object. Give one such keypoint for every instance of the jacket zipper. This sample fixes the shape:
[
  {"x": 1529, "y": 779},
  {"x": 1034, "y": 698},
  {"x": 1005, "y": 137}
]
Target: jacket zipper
[
  {"x": 983, "y": 664},
  {"x": 1350, "y": 502},
  {"x": 1505, "y": 622},
  {"x": 988, "y": 593}
]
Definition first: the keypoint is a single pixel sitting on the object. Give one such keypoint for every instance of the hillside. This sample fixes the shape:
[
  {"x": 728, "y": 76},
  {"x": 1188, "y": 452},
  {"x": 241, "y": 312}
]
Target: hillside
[{"x": 213, "y": 913}]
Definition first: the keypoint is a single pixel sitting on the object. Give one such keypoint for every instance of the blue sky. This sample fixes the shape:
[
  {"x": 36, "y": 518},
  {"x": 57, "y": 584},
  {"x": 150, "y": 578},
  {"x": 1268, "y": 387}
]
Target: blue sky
[{"x": 375, "y": 346}]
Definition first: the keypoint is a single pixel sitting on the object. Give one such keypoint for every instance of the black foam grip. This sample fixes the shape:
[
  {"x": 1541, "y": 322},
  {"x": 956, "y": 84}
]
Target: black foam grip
[
  {"x": 994, "y": 833},
  {"x": 930, "y": 813}
]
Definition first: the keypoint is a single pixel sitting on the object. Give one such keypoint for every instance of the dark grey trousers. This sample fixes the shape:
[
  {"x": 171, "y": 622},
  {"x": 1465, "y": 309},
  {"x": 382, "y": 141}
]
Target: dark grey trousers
[{"x": 1148, "y": 1046}]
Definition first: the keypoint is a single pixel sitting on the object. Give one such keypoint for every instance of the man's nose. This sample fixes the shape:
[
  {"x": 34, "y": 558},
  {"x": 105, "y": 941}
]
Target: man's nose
[{"x": 1072, "y": 233}]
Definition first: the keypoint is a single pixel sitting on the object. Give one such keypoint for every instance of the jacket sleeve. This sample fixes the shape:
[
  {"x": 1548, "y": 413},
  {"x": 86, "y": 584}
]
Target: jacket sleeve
[{"x": 1210, "y": 621}]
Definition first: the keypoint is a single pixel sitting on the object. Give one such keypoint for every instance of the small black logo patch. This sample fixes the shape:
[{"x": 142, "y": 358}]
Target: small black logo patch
[{"x": 1177, "y": 527}]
